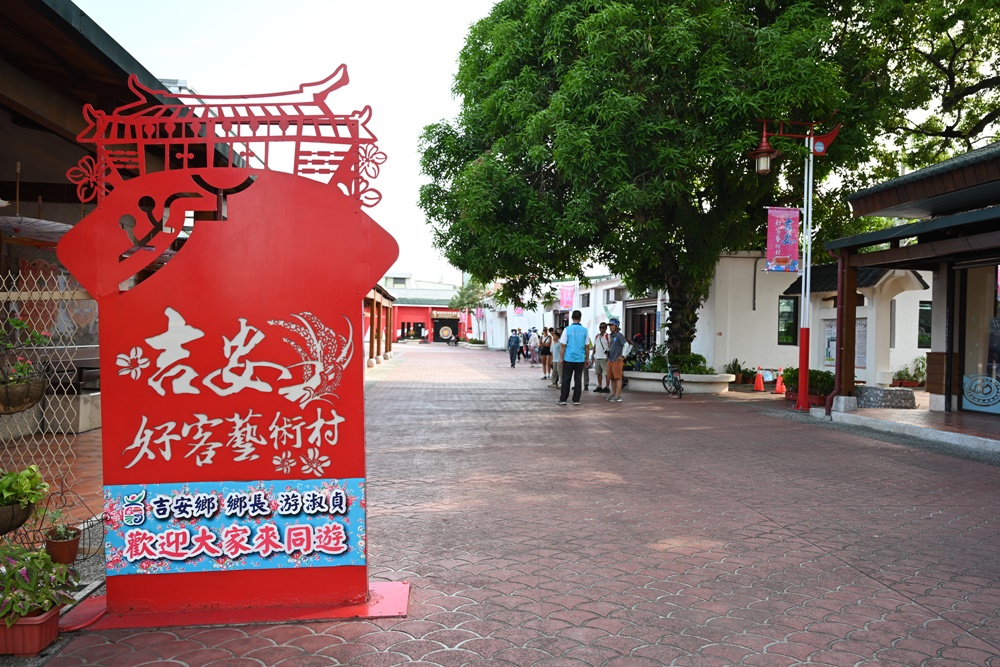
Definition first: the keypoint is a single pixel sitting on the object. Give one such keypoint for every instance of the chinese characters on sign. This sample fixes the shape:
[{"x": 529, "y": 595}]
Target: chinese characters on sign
[
  {"x": 218, "y": 526},
  {"x": 230, "y": 280},
  {"x": 782, "y": 239}
]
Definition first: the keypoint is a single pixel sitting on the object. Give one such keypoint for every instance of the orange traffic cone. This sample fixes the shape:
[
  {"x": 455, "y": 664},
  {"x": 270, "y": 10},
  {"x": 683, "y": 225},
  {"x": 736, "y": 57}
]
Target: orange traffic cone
[
  {"x": 758, "y": 382},
  {"x": 779, "y": 385}
]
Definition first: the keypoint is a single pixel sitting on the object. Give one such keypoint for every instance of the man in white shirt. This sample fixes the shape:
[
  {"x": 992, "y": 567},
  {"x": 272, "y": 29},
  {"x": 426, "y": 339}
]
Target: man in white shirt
[{"x": 602, "y": 344}]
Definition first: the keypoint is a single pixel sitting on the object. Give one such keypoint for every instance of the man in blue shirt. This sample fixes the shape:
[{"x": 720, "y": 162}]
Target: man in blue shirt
[{"x": 575, "y": 352}]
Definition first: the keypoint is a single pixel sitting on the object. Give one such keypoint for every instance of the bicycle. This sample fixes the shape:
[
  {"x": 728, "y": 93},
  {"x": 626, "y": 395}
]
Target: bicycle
[{"x": 672, "y": 382}]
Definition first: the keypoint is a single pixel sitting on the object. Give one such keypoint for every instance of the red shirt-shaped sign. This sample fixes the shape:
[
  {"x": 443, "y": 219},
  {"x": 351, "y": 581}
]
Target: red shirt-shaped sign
[{"x": 230, "y": 291}]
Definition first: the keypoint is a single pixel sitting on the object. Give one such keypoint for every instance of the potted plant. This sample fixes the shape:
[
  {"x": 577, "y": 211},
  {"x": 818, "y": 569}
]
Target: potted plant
[
  {"x": 903, "y": 378},
  {"x": 34, "y": 588},
  {"x": 19, "y": 492},
  {"x": 920, "y": 370},
  {"x": 22, "y": 383},
  {"x": 62, "y": 541},
  {"x": 821, "y": 385},
  {"x": 790, "y": 377},
  {"x": 735, "y": 367}
]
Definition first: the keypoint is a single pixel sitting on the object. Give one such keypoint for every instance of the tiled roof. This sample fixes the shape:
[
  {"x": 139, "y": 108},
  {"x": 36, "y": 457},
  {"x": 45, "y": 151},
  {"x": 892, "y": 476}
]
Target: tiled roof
[{"x": 824, "y": 279}]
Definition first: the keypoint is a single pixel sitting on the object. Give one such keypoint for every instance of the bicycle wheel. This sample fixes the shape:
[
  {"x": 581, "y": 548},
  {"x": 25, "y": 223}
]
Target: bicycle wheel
[{"x": 668, "y": 383}]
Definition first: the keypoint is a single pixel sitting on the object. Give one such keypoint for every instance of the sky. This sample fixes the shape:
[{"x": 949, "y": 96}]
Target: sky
[{"x": 401, "y": 56}]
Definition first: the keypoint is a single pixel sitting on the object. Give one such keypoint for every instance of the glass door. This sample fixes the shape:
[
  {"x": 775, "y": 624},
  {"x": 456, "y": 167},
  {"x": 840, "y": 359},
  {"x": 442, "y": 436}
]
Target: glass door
[{"x": 981, "y": 364}]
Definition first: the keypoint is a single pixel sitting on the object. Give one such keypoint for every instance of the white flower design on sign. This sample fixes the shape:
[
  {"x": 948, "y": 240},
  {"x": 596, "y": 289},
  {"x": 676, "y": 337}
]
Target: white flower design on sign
[
  {"x": 284, "y": 463},
  {"x": 132, "y": 363},
  {"x": 313, "y": 463}
]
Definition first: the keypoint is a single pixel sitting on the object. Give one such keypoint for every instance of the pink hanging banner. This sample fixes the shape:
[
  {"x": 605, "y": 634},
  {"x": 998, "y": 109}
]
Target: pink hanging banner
[
  {"x": 782, "y": 239},
  {"x": 566, "y": 293}
]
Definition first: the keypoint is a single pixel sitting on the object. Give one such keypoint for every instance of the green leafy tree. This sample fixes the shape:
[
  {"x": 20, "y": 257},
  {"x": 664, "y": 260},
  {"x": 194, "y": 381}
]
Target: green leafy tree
[
  {"x": 617, "y": 131},
  {"x": 471, "y": 296},
  {"x": 945, "y": 65}
]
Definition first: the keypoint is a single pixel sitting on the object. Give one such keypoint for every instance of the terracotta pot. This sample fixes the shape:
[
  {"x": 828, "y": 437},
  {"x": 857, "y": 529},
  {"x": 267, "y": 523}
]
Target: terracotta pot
[
  {"x": 19, "y": 396},
  {"x": 30, "y": 635},
  {"x": 63, "y": 551},
  {"x": 13, "y": 516}
]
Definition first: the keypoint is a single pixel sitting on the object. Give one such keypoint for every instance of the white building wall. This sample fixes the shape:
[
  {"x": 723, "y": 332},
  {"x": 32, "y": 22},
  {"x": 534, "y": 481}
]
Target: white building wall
[
  {"x": 740, "y": 318},
  {"x": 905, "y": 350}
]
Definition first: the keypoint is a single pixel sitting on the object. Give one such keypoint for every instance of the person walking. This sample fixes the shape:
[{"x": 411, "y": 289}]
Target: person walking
[
  {"x": 575, "y": 350},
  {"x": 602, "y": 345},
  {"x": 513, "y": 346},
  {"x": 556, "y": 357},
  {"x": 616, "y": 360},
  {"x": 545, "y": 352},
  {"x": 534, "y": 340}
]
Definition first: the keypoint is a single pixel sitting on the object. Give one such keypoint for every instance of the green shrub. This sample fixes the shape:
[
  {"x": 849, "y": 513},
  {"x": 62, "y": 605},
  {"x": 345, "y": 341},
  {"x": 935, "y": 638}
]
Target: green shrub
[
  {"x": 690, "y": 363},
  {"x": 821, "y": 382},
  {"x": 790, "y": 376},
  {"x": 735, "y": 367},
  {"x": 902, "y": 374},
  {"x": 657, "y": 364}
]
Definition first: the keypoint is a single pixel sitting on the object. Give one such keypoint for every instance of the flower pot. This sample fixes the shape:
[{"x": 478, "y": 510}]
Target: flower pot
[
  {"x": 30, "y": 634},
  {"x": 13, "y": 516},
  {"x": 63, "y": 551},
  {"x": 739, "y": 378},
  {"x": 19, "y": 396}
]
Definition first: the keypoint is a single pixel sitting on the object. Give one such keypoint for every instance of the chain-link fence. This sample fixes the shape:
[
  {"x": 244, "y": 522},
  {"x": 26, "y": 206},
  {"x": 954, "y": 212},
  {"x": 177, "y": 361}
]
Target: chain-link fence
[{"x": 50, "y": 395}]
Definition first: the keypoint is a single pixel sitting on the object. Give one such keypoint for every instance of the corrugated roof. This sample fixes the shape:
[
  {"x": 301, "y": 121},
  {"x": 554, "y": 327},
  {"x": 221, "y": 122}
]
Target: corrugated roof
[{"x": 824, "y": 279}]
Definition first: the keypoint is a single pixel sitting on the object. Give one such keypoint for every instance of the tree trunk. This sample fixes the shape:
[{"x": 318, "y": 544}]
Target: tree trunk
[{"x": 682, "y": 322}]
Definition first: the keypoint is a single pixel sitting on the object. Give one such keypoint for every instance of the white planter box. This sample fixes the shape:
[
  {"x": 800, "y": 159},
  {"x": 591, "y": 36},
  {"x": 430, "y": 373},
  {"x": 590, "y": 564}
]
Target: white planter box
[{"x": 693, "y": 384}]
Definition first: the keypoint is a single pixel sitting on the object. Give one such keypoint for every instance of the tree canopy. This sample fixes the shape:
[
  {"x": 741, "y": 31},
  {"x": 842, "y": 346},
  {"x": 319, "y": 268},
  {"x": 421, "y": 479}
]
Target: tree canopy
[{"x": 616, "y": 131}]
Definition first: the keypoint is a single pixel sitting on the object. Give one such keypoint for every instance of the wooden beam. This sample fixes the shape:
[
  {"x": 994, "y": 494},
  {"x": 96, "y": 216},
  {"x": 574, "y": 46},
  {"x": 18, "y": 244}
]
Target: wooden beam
[
  {"x": 42, "y": 104},
  {"x": 924, "y": 251}
]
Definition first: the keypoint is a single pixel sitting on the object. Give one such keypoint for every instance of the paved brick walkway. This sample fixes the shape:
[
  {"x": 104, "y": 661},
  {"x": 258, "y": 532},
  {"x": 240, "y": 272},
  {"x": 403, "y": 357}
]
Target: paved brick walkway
[{"x": 650, "y": 532}]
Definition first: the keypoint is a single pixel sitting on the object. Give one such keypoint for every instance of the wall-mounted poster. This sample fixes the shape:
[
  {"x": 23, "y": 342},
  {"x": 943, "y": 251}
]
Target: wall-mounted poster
[{"x": 860, "y": 343}]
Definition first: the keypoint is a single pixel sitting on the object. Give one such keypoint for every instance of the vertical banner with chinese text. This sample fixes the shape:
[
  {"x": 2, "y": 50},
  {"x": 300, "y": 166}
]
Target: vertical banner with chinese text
[
  {"x": 782, "y": 239},
  {"x": 232, "y": 365},
  {"x": 566, "y": 294}
]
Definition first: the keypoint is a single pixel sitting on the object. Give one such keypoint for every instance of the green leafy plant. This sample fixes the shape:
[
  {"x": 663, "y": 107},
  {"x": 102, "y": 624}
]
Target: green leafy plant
[
  {"x": 57, "y": 527},
  {"x": 821, "y": 382},
  {"x": 903, "y": 374},
  {"x": 735, "y": 367},
  {"x": 692, "y": 364},
  {"x": 18, "y": 334},
  {"x": 657, "y": 364},
  {"x": 32, "y": 582},
  {"x": 23, "y": 487},
  {"x": 475, "y": 341},
  {"x": 920, "y": 369},
  {"x": 790, "y": 377}
]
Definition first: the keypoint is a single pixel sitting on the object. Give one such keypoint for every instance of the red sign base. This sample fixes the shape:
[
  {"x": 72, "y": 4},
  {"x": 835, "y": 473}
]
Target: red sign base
[{"x": 386, "y": 599}]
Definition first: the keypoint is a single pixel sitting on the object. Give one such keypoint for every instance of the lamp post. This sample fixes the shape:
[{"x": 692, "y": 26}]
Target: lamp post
[{"x": 762, "y": 156}]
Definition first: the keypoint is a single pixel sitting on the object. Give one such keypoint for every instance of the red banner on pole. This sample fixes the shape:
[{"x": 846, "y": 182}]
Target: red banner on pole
[{"x": 782, "y": 239}]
